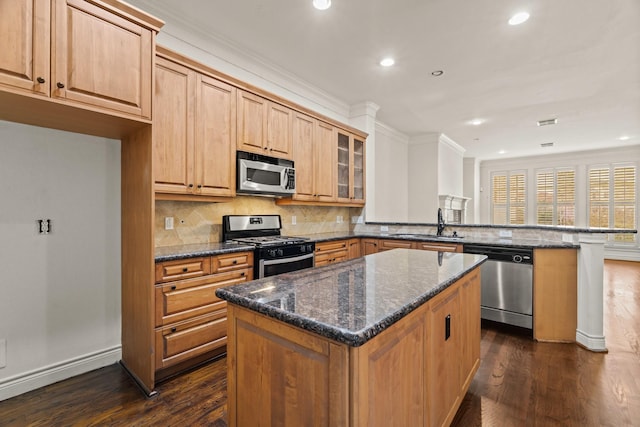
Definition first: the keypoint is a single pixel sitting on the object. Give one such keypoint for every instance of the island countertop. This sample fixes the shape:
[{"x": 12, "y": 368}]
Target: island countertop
[{"x": 353, "y": 301}]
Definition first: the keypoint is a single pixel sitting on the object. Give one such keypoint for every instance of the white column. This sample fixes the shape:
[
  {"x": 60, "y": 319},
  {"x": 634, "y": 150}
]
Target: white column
[
  {"x": 363, "y": 117},
  {"x": 590, "y": 332}
]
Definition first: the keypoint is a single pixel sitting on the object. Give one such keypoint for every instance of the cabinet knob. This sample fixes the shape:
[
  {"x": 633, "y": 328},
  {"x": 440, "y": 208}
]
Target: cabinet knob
[
  {"x": 173, "y": 329},
  {"x": 40, "y": 80},
  {"x": 266, "y": 148},
  {"x": 190, "y": 185},
  {"x": 173, "y": 288},
  {"x": 243, "y": 273},
  {"x": 60, "y": 85},
  {"x": 235, "y": 261},
  {"x": 185, "y": 269},
  {"x": 199, "y": 185}
]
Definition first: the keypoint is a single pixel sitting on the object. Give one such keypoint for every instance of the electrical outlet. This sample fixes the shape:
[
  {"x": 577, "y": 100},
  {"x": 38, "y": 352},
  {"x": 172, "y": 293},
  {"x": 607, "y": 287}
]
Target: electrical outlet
[
  {"x": 384, "y": 228},
  {"x": 293, "y": 220},
  {"x": 168, "y": 223},
  {"x": 3, "y": 353},
  {"x": 357, "y": 220},
  {"x": 339, "y": 219},
  {"x": 506, "y": 233}
]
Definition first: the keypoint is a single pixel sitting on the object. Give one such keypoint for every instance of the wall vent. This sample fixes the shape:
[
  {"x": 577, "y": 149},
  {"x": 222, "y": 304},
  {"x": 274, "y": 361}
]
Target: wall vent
[
  {"x": 546, "y": 144},
  {"x": 547, "y": 122}
]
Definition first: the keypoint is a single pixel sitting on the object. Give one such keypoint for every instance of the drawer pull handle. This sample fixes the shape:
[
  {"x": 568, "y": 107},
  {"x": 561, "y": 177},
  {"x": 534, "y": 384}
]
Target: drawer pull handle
[
  {"x": 235, "y": 261},
  {"x": 60, "y": 85},
  {"x": 173, "y": 329},
  {"x": 185, "y": 269},
  {"x": 40, "y": 80},
  {"x": 173, "y": 288}
]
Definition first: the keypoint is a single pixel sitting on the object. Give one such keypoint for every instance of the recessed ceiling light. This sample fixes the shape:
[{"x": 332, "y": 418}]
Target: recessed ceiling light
[
  {"x": 476, "y": 122},
  {"x": 387, "y": 62},
  {"x": 624, "y": 138},
  {"x": 502, "y": 152},
  {"x": 437, "y": 73},
  {"x": 547, "y": 122},
  {"x": 519, "y": 18},
  {"x": 322, "y": 4}
]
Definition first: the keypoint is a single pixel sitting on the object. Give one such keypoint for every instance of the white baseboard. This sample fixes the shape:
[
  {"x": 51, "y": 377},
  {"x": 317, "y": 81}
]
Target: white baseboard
[
  {"x": 591, "y": 342},
  {"x": 22, "y": 383}
]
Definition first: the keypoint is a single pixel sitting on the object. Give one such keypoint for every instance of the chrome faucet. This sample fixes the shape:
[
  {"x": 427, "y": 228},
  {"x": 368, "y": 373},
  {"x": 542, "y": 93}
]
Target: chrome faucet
[{"x": 441, "y": 223}]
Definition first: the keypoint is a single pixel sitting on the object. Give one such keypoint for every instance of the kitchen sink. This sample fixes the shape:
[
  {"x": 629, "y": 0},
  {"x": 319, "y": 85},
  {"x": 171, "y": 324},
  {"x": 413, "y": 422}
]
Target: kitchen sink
[{"x": 426, "y": 236}]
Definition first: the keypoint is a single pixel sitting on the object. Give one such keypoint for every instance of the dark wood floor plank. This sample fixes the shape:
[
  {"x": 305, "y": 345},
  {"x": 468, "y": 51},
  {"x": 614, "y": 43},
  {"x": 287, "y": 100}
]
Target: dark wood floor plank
[{"x": 519, "y": 383}]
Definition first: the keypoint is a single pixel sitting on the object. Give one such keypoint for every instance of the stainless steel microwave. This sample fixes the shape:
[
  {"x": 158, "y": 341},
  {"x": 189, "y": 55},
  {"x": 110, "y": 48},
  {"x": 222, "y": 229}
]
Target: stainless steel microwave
[{"x": 264, "y": 175}]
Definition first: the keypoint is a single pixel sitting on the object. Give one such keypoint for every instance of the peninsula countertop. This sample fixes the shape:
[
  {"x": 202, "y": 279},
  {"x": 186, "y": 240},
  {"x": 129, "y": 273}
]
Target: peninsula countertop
[{"x": 353, "y": 301}]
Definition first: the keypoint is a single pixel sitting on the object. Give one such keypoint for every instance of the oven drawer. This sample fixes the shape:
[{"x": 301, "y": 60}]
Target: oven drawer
[
  {"x": 234, "y": 261},
  {"x": 185, "y": 340},
  {"x": 182, "y": 269},
  {"x": 184, "y": 299}
]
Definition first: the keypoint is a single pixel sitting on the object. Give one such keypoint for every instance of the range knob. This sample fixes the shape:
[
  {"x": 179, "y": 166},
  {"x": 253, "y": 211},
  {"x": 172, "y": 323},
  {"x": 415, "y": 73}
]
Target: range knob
[
  {"x": 309, "y": 248},
  {"x": 280, "y": 252},
  {"x": 272, "y": 252},
  {"x": 303, "y": 248}
]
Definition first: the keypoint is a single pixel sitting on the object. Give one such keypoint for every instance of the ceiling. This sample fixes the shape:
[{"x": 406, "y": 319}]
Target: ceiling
[{"x": 574, "y": 60}]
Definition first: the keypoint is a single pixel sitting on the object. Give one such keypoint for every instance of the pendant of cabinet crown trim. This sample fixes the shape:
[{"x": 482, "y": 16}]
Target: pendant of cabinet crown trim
[
  {"x": 264, "y": 127},
  {"x": 193, "y": 133}
]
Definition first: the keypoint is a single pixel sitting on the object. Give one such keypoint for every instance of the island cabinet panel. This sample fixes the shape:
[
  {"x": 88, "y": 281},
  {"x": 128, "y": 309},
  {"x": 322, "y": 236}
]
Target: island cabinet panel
[
  {"x": 555, "y": 294},
  {"x": 393, "y": 362},
  {"x": 470, "y": 326},
  {"x": 445, "y": 329},
  {"x": 288, "y": 377}
]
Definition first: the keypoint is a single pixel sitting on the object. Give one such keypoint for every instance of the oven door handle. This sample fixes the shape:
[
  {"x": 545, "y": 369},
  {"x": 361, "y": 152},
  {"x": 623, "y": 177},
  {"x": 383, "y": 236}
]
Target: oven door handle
[{"x": 287, "y": 260}]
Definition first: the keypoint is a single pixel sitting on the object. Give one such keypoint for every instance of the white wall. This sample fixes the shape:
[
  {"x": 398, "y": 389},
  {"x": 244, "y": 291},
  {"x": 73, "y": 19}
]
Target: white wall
[
  {"x": 60, "y": 304},
  {"x": 450, "y": 167},
  {"x": 423, "y": 178},
  {"x": 391, "y": 176}
]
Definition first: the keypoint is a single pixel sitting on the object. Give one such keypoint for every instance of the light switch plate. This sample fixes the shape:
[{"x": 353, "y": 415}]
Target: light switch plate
[
  {"x": 293, "y": 220},
  {"x": 506, "y": 233},
  {"x": 168, "y": 223},
  {"x": 384, "y": 228},
  {"x": 3, "y": 353}
]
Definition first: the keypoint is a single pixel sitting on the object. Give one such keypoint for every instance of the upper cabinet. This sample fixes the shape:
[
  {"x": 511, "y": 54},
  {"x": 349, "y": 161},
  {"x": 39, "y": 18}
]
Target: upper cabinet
[
  {"x": 193, "y": 133},
  {"x": 264, "y": 127},
  {"x": 313, "y": 156},
  {"x": 350, "y": 168},
  {"x": 96, "y": 55}
]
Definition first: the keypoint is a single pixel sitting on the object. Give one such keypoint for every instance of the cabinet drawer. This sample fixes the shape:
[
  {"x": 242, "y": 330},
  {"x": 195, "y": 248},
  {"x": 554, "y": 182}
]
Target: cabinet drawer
[
  {"x": 192, "y": 338},
  {"x": 385, "y": 245},
  {"x": 184, "y": 299},
  {"x": 441, "y": 247},
  {"x": 182, "y": 269},
  {"x": 330, "y": 246},
  {"x": 235, "y": 261},
  {"x": 329, "y": 257}
]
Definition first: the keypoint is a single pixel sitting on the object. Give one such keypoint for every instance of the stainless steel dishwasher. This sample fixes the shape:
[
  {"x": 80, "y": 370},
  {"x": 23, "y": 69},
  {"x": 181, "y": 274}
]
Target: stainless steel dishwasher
[{"x": 506, "y": 284}]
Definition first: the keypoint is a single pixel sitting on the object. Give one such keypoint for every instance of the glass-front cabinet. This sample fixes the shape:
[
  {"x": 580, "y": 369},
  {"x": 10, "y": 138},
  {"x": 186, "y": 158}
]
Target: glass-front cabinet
[{"x": 350, "y": 172}]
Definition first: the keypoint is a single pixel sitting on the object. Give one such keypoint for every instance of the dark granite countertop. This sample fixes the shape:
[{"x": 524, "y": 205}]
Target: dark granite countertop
[
  {"x": 353, "y": 301},
  {"x": 170, "y": 253},
  {"x": 515, "y": 243},
  {"x": 569, "y": 229}
]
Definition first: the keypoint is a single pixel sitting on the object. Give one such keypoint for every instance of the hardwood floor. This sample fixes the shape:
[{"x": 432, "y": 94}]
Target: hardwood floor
[{"x": 519, "y": 383}]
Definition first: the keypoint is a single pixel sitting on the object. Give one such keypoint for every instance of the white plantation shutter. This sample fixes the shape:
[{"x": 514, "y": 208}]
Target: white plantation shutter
[
  {"x": 599, "y": 197},
  {"x": 499, "y": 198},
  {"x": 556, "y": 197},
  {"x": 508, "y": 197},
  {"x": 566, "y": 197},
  {"x": 545, "y": 195},
  {"x": 612, "y": 199},
  {"x": 517, "y": 198}
]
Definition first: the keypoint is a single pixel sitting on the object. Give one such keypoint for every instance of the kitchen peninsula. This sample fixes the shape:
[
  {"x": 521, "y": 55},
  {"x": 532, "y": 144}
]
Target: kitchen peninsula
[{"x": 389, "y": 336}]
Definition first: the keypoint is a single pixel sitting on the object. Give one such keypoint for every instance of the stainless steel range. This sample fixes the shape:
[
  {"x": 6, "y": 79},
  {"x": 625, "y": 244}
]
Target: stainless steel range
[{"x": 274, "y": 253}]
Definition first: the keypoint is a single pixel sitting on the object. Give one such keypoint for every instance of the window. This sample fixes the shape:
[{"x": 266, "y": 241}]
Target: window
[
  {"x": 509, "y": 198},
  {"x": 556, "y": 197},
  {"x": 612, "y": 199}
]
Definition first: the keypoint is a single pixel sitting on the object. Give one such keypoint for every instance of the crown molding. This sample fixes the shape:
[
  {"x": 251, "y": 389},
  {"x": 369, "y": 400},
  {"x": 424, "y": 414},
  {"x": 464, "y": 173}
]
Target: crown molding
[
  {"x": 392, "y": 133},
  {"x": 451, "y": 143}
]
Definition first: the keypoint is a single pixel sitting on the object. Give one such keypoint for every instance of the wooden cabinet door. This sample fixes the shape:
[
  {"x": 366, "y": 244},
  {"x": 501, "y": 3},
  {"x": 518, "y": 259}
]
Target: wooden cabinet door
[
  {"x": 369, "y": 246},
  {"x": 101, "y": 59},
  {"x": 215, "y": 137},
  {"x": 357, "y": 192},
  {"x": 444, "y": 370},
  {"x": 279, "y": 119},
  {"x": 251, "y": 122},
  {"x": 304, "y": 156},
  {"x": 173, "y": 126},
  {"x": 25, "y": 31},
  {"x": 354, "y": 248},
  {"x": 325, "y": 164},
  {"x": 343, "y": 177}
]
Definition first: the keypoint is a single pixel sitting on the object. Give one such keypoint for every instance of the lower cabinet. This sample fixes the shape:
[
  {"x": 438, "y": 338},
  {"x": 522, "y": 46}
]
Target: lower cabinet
[
  {"x": 331, "y": 252},
  {"x": 372, "y": 246},
  {"x": 190, "y": 319}
]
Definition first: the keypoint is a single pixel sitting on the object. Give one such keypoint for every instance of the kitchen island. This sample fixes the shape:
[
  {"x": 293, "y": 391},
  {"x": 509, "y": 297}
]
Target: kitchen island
[{"x": 387, "y": 339}]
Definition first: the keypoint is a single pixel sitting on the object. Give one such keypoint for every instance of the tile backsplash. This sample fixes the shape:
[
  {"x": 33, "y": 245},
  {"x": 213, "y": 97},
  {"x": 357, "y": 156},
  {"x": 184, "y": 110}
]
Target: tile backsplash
[{"x": 197, "y": 222}]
